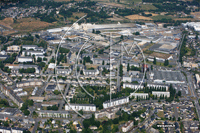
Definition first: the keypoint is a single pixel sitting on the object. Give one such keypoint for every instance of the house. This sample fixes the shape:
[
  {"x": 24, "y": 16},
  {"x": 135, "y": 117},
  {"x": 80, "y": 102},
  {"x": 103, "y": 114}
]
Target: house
[
  {"x": 84, "y": 107},
  {"x": 116, "y": 102},
  {"x": 90, "y": 72},
  {"x": 24, "y": 59},
  {"x": 127, "y": 126}
]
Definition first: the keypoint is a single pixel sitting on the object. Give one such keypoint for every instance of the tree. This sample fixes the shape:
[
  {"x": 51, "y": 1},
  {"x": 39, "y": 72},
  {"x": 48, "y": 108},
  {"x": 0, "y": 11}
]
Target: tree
[
  {"x": 26, "y": 112},
  {"x": 120, "y": 70},
  {"x": 122, "y": 37},
  {"x": 103, "y": 62},
  {"x": 39, "y": 59},
  {"x": 128, "y": 67},
  {"x": 154, "y": 60},
  {"x": 137, "y": 33},
  {"x": 166, "y": 63}
]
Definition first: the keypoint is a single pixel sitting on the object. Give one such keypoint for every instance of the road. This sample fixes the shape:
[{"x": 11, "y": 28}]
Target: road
[
  {"x": 63, "y": 101},
  {"x": 193, "y": 94},
  {"x": 175, "y": 111}
]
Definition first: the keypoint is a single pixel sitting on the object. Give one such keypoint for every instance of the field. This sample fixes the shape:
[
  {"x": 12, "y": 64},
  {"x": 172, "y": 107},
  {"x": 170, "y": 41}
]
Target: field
[
  {"x": 138, "y": 17},
  {"x": 30, "y": 24},
  {"x": 159, "y": 17},
  {"x": 161, "y": 114},
  {"x": 24, "y": 24}
]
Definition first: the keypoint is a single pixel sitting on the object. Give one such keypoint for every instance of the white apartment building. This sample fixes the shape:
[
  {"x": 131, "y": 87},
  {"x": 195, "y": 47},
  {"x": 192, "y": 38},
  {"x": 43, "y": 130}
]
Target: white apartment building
[
  {"x": 158, "y": 86},
  {"x": 13, "y": 48},
  {"x": 127, "y": 126},
  {"x": 161, "y": 93},
  {"x": 133, "y": 86},
  {"x": 31, "y": 53},
  {"x": 91, "y": 72},
  {"x": 33, "y": 47},
  {"x": 141, "y": 95},
  {"x": 127, "y": 79},
  {"x": 84, "y": 107},
  {"x": 11, "y": 130},
  {"x": 197, "y": 78},
  {"x": 64, "y": 71},
  {"x": 24, "y": 59},
  {"x": 116, "y": 102}
]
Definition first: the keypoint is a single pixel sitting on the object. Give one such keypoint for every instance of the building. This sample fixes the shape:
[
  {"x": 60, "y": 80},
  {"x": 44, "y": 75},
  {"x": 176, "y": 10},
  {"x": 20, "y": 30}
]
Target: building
[
  {"x": 31, "y": 53},
  {"x": 91, "y": 72},
  {"x": 116, "y": 102},
  {"x": 4, "y": 57},
  {"x": 32, "y": 47},
  {"x": 127, "y": 79},
  {"x": 15, "y": 67},
  {"x": 107, "y": 67},
  {"x": 190, "y": 65},
  {"x": 12, "y": 95},
  {"x": 140, "y": 95},
  {"x": 37, "y": 99},
  {"x": 157, "y": 86},
  {"x": 197, "y": 78},
  {"x": 24, "y": 59},
  {"x": 53, "y": 114},
  {"x": 11, "y": 130},
  {"x": 127, "y": 126},
  {"x": 84, "y": 107},
  {"x": 133, "y": 86},
  {"x": 13, "y": 48},
  {"x": 161, "y": 93},
  {"x": 29, "y": 83},
  {"x": 168, "y": 77},
  {"x": 109, "y": 113},
  {"x": 98, "y": 61},
  {"x": 64, "y": 71},
  {"x": 50, "y": 87}
]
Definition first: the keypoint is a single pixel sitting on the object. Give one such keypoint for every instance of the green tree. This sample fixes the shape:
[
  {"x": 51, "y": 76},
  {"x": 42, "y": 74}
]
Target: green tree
[
  {"x": 154, "y": 60},
  {"x": 128, "y": 67},
  {"x": 166, "y": 63},
  {"x": 120, "y": 70}
]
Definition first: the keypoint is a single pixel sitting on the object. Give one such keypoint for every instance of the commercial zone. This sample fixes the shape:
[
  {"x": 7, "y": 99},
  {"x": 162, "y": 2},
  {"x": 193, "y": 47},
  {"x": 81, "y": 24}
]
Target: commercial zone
[{"x": 168, "y": 76}]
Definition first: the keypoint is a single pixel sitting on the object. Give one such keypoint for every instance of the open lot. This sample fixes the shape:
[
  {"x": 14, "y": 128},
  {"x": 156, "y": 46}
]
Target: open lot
[{"x": 138, "y": 17}]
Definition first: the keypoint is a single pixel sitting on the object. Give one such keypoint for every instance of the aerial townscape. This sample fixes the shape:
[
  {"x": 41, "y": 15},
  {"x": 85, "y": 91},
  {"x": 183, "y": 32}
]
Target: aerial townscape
[{"x": 99, "y": 66}]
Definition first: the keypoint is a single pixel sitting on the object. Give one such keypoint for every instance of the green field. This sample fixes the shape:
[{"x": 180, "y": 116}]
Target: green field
[{"x": 159, "y": 17}]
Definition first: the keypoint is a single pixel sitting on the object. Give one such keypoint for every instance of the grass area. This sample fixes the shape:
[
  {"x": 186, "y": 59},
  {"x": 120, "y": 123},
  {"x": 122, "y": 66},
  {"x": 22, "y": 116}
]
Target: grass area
[
  {"x": 159, "y": 17},
  {"x": 148, "y": 46},
  {"x": 161, "y": 114}
]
